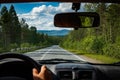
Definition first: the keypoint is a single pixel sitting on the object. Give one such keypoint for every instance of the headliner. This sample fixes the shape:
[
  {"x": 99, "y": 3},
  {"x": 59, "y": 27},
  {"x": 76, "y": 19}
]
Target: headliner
[{"x": 75, "y": 1}]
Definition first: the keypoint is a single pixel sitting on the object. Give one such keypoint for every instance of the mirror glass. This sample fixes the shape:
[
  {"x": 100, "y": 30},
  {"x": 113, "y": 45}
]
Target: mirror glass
[{"x": 76, "y": 20}]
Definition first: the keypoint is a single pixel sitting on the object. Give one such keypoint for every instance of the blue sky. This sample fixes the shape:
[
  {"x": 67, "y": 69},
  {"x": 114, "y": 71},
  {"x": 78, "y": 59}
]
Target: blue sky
[
  {"x": 40, "y": 14},
  {"x": 27, "y": 7}
]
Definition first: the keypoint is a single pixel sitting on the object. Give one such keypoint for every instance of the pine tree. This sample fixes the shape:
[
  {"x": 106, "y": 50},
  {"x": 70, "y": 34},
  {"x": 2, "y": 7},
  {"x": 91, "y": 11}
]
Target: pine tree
[
  {"x": 25, "y": 32},
  {"x": 33, "y": 36},
  {"x": 5, "y": 29},
  {"x": 15, "y": 26}
]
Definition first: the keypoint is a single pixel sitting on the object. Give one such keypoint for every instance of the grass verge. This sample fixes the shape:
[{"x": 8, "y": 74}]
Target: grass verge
[{"x": 102, "y": 58}]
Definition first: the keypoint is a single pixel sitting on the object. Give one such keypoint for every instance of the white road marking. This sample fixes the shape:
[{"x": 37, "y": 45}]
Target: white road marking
[
  {"x": 54, "y": 49},
  {"x": 45, "y": 54},
  {"x": 77, "y": 57},
  {"x": 74, "y": 55}
]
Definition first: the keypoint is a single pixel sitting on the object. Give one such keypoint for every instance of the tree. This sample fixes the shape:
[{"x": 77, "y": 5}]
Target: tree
[
  {"x": 25, "y": 32},
  {"x": 113, "y": 17},
  {"x": 15, "y": 26},
  {"x": 5, "y": 30},
  {"x": 33, "y": 36},
  {"x": 1, "y": 32}
]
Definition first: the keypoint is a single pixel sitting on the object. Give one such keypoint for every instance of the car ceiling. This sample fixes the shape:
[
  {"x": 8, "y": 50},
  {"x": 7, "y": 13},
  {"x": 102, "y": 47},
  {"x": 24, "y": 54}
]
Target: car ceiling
[{"x": 75, "y": 1}]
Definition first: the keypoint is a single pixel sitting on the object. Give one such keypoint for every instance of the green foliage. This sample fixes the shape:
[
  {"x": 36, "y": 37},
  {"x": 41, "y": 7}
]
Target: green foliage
[
  {"x": 104, "y": 40},
  {"x": 103, "y": 58},
  {"x": 97, "y": 45},
  {"x": 86, "y": 21},
  {"x": 25, "y": 45},
  {"x": 112, "y": 50},
  {"x": 10, "y": 28},
  {"x": 13, "y": 46},
  {"x": 86, "y": 43},
  {"x": 15, "y": 28},
  {"x": 2, "y": 50}
]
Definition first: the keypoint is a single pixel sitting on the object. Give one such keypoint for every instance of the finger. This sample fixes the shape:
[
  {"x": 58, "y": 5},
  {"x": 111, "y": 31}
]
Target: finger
[
  {"x": 35, "y": 72},
  {"x": 43, "y": 69}
]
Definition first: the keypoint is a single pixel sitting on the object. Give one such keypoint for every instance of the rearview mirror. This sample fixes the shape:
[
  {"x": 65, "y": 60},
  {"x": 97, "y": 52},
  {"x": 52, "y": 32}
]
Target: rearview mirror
[{"x": 77, "y": 20}]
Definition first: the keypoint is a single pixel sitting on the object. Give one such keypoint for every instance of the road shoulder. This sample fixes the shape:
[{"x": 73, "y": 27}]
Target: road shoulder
[{"x": 89, "y": 59}]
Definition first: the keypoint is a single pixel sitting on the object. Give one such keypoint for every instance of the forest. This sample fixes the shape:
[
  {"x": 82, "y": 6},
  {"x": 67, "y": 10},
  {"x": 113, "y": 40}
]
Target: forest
[
  {"x": 17, "y": 36},
  {"x": 102, "y": 40}
]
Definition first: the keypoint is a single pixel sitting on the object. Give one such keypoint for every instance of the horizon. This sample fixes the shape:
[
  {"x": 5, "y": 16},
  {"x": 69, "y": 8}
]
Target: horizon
[{"x": 56, "y": 30}]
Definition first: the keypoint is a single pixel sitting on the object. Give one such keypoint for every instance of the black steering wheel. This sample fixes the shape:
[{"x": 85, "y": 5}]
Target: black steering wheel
[{"x": 24, "y": 58}]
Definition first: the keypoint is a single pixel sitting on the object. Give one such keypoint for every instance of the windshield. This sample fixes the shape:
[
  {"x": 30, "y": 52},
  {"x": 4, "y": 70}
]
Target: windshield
[{"x": 28, "y": 28}]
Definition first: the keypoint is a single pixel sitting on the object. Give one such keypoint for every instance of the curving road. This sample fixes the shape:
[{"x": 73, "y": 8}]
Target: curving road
[{"x": 53, "y": 52}]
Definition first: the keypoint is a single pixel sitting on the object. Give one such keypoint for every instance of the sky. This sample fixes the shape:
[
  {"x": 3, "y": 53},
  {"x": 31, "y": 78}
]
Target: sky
[{"x": 41, "y": 14}]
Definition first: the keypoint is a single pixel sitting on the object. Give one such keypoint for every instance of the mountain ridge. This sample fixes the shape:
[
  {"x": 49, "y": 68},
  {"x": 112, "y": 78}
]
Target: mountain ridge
[{"x": 54, "y": 32}]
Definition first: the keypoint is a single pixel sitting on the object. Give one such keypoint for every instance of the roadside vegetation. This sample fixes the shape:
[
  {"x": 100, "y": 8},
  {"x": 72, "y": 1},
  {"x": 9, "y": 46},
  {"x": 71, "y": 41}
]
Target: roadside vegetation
[
  {"x": 17, "y": 36},
  {"x": 98, "y": 43},
  {"x": 98, "y": 57}
]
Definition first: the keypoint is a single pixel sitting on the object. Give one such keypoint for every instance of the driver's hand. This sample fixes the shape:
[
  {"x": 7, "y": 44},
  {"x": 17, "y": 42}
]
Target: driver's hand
[{"x": 44, "y": 74}]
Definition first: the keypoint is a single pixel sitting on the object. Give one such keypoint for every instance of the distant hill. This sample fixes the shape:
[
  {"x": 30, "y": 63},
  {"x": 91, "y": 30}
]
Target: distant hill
[{"x": 54, "y": 32}]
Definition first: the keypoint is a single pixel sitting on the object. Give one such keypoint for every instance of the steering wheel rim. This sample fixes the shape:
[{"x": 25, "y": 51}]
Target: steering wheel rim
[{"x": 22, "y": 57}]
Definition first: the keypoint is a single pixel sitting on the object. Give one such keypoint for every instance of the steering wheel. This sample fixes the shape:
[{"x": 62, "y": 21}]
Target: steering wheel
[{"x": 24, "y": 58}]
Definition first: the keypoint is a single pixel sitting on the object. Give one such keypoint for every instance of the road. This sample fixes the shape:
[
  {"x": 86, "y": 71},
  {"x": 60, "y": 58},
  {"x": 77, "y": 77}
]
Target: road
[{"x": 53, "y": 52}]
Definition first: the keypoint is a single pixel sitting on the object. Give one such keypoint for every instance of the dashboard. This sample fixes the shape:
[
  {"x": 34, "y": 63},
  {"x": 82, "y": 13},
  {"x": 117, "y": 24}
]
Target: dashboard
[
  {"x": 84, "y": 71},
  {"x": 63, "y": 71},
  {"x": 72, "y": 71}
]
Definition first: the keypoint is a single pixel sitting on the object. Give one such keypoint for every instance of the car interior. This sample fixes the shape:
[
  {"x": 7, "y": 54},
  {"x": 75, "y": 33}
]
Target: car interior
[{"x": 19, "y": 67}]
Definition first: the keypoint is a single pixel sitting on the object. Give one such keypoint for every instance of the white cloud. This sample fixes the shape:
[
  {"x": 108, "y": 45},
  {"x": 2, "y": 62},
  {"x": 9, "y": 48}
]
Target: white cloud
[{"x": 42, "y": 17}]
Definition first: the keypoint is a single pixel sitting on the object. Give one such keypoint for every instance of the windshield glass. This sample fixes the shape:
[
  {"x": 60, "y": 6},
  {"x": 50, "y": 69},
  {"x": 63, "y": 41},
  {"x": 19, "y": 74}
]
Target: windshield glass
[{"x": 28, "y": 28}]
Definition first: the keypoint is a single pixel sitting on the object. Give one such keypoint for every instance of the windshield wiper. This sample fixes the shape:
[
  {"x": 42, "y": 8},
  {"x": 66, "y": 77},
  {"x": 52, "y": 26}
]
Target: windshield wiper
[{"x": 56, "y": 61}]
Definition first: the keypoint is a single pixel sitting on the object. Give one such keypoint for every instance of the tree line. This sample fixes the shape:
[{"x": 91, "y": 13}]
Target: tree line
[
  {"x": 104, "y": 40},
  {"x": 15, "y": 33}
]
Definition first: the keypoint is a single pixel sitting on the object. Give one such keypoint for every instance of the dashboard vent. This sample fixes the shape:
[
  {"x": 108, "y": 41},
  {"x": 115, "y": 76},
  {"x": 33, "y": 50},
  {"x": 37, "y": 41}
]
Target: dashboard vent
[
  {"x": 85, "y": 75},
  {"x": 65, "y": 75}
]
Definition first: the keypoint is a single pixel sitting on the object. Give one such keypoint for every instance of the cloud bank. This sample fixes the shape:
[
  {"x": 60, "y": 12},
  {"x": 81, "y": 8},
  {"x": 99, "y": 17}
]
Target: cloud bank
[{"x": 42, "y": 16}]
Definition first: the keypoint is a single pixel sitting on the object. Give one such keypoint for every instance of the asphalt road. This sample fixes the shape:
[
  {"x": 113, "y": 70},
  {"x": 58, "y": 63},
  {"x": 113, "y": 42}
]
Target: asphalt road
[{"x": 53, "y": 52}]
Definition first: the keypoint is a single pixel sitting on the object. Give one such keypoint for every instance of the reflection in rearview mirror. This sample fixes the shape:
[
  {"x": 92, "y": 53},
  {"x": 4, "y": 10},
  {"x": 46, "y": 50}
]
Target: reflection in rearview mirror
[
  {"x": 77, "y": 20},
  {"x": 86, "y": 21}
]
